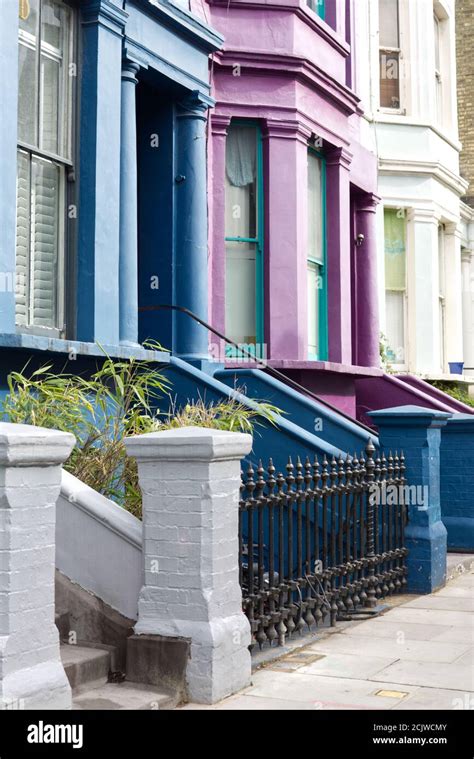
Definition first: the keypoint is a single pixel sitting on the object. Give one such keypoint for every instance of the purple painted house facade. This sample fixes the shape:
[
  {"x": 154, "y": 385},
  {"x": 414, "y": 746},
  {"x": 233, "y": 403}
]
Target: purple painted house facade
[{"x": 293, "y": 194}]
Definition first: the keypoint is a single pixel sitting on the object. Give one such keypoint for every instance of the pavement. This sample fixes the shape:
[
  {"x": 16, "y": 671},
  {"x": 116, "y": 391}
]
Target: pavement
[{"x": 418, "y": 655}]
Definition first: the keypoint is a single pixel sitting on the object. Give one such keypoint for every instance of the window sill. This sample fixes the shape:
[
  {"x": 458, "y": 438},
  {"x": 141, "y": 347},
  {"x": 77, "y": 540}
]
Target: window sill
[{"x": 24, "y": 341}]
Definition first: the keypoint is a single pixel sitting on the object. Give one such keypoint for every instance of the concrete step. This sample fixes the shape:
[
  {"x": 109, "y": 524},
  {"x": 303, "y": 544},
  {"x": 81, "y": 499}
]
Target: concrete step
[
  {"x": 85, "y": 667},
  {"x": 123, "y": 696}
]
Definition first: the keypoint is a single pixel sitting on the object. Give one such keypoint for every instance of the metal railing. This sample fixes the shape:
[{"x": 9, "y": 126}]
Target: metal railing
[{"x": 321, "y": 542}]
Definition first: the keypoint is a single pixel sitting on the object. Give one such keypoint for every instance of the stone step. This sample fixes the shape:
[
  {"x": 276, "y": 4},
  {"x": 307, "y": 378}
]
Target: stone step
[
  {"x": 123, "y": 696},
  {"x": 85, "y": 667}
]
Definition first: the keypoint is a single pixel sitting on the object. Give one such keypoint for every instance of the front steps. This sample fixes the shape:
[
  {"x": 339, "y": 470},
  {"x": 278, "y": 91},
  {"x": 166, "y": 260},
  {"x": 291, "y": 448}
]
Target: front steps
[
  {"x": 96, "y": 681},
  {"x": 89, "y": 669}
]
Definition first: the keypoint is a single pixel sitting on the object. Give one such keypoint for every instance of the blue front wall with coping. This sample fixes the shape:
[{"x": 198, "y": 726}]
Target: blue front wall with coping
[
  {"x": 417, "y": 432},
  {"x": 457, "y": 482}
]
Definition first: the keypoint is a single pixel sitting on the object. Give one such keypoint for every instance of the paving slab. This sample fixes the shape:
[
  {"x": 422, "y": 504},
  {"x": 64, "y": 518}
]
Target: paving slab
[
  {"x": 383, "y": 627},
  {"x": 437, "y": 698},
  {"x": 443, "y": 603},
  {"x": 429, "y": 674},
  {"x": 324, "y": 692},
  {"x": 432, "y": 617},
  {"x": 455, "y": 635},
  {"x": 412, "y": 650},
  {"x": 347, "y": 665}
]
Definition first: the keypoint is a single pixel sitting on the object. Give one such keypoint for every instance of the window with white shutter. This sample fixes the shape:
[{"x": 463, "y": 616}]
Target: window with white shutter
[{"x": 44, "y": 158}]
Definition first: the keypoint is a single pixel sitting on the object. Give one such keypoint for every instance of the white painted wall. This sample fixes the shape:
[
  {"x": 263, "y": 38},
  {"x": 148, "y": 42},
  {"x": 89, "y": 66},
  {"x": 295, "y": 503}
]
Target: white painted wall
[
  {"x": 419, "y": 172},
  {"x": 99, "y": 545}
]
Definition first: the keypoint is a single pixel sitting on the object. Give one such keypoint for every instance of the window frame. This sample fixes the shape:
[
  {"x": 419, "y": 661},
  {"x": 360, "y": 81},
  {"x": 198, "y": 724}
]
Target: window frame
[
  {"x": 403, "y": 365},
  {"x": 391, "y": 51},
  {"x": 258, "y": 240},
  {"x": 67, "y": 135},
  {"x": 323, "y": 331}
]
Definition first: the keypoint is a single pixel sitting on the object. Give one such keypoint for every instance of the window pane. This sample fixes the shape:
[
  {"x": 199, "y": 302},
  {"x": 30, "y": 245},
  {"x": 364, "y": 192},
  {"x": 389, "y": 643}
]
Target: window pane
[
  {"x": 314, "y": 295},
  {"x": 55, "y": 82},
  {"x": 395, "y": 250},
  {"x": 27, "y": 92},
  {"x": 388, "y": 23},
  {"x": 241, "y": 317},
  {"x": 241, "y": 182},
  {"x": 44, "y": 242},
  {"x": 51, "y": 19},
  {"x": 395, "y": 316},
  {"x": 315, "y": 208},
  {"x": 49, "y": 105},
  {"x": 389, "y": 79},
  {"x": 28, "y": 16},
  {"x": 22, "y": 237}
]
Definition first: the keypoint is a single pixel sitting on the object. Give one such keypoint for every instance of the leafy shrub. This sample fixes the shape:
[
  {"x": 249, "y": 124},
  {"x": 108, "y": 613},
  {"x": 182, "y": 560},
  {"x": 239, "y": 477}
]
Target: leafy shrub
[{"x": 119, "y": 400}]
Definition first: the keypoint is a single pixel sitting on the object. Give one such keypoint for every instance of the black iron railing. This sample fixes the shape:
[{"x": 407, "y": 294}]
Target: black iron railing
[{"x": 320, "y": 542}]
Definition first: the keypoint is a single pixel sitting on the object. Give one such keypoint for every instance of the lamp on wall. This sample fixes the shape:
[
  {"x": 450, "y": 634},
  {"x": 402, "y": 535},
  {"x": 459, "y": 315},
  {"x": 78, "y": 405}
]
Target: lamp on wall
[{"x": 360, "y": 239}]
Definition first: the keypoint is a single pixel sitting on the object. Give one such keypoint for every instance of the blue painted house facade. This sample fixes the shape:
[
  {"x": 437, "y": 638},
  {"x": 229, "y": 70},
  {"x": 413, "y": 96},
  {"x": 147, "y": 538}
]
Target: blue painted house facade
[{"x": 103, "y": 162}]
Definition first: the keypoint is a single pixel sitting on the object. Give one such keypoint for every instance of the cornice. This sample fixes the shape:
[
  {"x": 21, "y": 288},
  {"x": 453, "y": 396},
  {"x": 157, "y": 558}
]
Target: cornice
[
  {"x": 185, "y": 23},
  {"x": 294, "y": 66},
  {"x": 434, "y": 169},
  {"x": 105, "y": 13}
]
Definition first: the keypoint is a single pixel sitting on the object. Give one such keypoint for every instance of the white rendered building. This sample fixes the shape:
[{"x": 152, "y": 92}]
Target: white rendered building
[{"x": 407, "y": 82}]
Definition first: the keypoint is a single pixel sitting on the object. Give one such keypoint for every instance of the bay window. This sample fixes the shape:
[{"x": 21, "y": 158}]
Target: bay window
[
  {"x": 395, "y": 285},
  {"x": 44, "y": 160},
  {"x": 389, "y": 53},
  {"x": 244, "y": 235},
  {"x": 316, "y": 259}
]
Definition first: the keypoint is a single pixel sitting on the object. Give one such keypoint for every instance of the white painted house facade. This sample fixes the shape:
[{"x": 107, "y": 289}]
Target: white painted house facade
[{"x": 406, "y": 78}]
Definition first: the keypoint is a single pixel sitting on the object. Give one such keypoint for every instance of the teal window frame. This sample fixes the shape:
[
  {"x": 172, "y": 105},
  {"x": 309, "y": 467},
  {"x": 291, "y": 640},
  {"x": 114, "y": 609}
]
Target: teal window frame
[
  {"x": 322, "y": 263},
  {"x": 258, "y": 241},
  {"x": 318, "y": 6}
]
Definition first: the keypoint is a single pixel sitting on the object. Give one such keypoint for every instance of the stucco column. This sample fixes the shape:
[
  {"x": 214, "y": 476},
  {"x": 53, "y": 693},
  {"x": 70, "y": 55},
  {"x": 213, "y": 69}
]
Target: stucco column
[
  {"x": 219, "y": 126},
  {"x": 467, "y": 264},
  {"x": 367, "y": 327},
  {"x": 103, "y": 23},
  {"x": 424, "y": 354},
  {"x": 31, "y": 672},
  {"x": 191, "y": 267},
  {"x": 128, "y": 263},
  {"x": 454, "y": 300},
  {"x": 190, "y": 480},
  {"x": 339, "y": 256},
  {"x": 286, "y": 235}
]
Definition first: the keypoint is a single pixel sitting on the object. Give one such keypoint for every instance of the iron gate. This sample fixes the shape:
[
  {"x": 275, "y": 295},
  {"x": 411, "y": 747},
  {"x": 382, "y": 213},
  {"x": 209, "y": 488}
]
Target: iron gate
[{"x": 322, "y": 542}]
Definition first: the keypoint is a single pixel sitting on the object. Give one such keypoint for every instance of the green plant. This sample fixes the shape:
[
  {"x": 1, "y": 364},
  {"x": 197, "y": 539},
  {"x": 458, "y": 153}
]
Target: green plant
[
  {"x": 459, "y": 393},
  {"x": 117, "y": 401},
  {"x": 231, "y": 415},
  {"x": 383, "y": 350}
]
